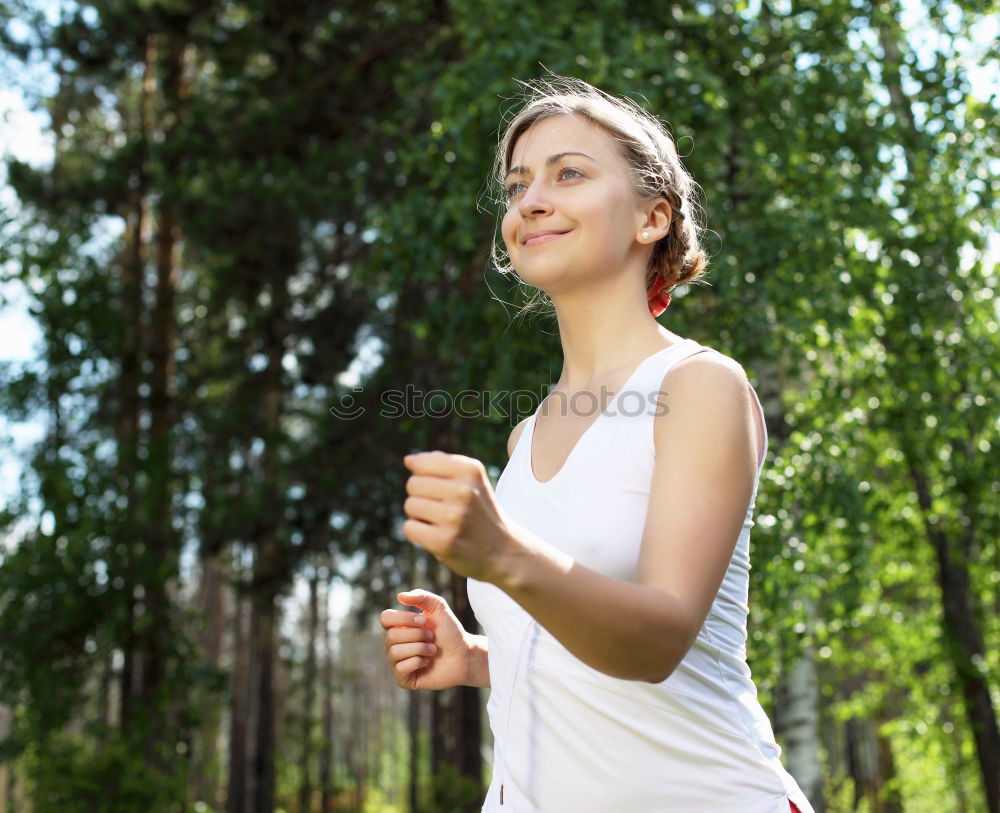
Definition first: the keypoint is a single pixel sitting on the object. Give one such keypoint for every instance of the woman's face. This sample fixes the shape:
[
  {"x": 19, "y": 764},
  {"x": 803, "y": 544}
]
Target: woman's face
[{"x": 572, "y": 211}]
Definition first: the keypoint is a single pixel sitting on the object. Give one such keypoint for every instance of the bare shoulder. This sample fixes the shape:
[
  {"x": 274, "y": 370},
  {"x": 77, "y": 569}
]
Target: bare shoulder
[
  {"x": 514, "y": 436},
  {"x": 709, "y": 369},
  {"x": 703, "y": 389},
  {"x": 709, "y": 400}
]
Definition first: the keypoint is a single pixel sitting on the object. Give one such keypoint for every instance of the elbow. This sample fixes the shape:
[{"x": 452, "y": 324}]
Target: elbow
[
  {"x": 660, "y": 665},
  {"x": 653, "y": 668},
  {"x": 670, "y": 657},
  {"x": 660, "y": 675}
]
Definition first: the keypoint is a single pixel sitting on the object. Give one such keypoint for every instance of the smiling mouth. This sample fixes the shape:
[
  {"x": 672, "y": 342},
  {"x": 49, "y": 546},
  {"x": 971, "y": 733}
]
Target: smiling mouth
[{"x": 543, "y": 238}]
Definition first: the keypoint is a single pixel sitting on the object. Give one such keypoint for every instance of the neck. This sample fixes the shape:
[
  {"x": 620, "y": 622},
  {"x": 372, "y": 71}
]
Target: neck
[{"x": 605, "y": 333}]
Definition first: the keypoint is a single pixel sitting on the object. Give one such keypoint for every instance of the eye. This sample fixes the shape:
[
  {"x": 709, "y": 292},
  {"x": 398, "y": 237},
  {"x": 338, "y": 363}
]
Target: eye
[
  {"x": 569, "y": 174},
  {"x": 514, "y": 189}
]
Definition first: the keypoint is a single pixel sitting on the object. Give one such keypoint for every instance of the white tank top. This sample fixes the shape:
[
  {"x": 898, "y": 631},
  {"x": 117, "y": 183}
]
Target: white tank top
[{"x": 570, "y": 738}]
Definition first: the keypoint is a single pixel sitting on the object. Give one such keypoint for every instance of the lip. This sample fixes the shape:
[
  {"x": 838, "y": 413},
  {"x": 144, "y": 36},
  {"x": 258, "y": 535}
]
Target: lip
[{"x": 538, "y": 237}]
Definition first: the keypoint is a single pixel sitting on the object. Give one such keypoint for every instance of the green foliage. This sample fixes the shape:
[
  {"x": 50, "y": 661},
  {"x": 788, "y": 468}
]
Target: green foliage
[
  {"x": 449, "y": 790},
  {"x": 51, "y": 610},
  {"x": 69, "y": 775}
]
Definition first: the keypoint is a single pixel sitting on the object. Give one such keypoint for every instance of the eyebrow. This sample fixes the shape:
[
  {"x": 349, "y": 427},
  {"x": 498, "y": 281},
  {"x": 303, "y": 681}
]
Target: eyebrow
[{"x": 552, "y": 159}]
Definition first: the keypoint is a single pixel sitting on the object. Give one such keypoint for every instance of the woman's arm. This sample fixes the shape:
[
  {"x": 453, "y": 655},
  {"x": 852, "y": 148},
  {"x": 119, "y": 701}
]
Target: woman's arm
[{"x": 701, "y": 488}]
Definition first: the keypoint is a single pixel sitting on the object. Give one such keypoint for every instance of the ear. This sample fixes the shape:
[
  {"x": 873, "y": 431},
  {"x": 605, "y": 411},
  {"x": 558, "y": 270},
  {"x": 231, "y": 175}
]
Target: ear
[{"x": 656, "y": 221}]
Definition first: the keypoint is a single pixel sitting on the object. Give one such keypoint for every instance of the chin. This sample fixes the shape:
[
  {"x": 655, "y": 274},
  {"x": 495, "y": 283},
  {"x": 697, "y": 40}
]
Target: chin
[{"x": 544, "y": 276}]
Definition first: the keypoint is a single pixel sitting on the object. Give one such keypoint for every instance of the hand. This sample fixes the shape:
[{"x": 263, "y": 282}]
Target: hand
[
  {"x": 454, "y": 515},
  {"x": 429, "y": 650}
]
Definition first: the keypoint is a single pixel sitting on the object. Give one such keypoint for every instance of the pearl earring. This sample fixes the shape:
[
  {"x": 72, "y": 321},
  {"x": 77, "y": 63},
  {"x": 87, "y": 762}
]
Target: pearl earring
[{"x": 645, "y": 235}]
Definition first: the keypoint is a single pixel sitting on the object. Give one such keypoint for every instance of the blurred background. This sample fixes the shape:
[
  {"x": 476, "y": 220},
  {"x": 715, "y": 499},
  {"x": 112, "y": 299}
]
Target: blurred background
[{"x": 229, "y": 230}]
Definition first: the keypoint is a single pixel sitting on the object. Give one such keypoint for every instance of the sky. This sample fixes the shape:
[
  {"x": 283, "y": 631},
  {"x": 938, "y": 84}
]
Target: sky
[{"x": 19, "y": 335}]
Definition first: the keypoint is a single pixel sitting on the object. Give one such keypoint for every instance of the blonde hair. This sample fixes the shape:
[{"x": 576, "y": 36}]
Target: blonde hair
[{"x": 648, "y": 148}]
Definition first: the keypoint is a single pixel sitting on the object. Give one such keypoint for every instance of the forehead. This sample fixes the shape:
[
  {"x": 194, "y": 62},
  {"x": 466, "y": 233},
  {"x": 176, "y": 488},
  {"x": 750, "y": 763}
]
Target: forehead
[{"x": 563, "y": 133}]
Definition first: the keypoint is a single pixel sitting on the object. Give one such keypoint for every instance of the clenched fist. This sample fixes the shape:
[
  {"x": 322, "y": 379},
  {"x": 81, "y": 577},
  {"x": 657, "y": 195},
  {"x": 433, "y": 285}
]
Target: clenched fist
[
  {"x": 431, "y": 650},
  {"x": 454, "y": 515}
]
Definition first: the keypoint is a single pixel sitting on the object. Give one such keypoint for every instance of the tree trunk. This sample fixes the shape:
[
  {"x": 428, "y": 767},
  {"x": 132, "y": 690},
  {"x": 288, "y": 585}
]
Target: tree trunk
[
  {"x": 263, "y": 607},
  {"x": 261, "y": 779},
  {"x": 355, "y": 739},
  {"x": 860, "y": 762},
  {"x": 327, "y": 755},
  {"x": 963, "y": 640},
  {"x": 162, "y": 554},
  {"x": 799, "y": 717},
  {"x": 889, "y": 799},
  {"x": 129, "y": 403},
  {"x": 956, "y": 770},
  {"x": 376, "y": 707},
  {"x": 205, "y": 759},
  {"x": 105, "y": 690},
  {"x": 442, "y": 722},
  {"x": 269, "y": 563},
  {"x": 236, "y": 799},
  {"x": 309, "y": 681},
  {"x": 413, "y": 724},
  {"x": 468, "y": 717},
  {"x": 800, "y": 726},
  {"x": 279, "y": 684},
  {"x": 7, "y": 766}
]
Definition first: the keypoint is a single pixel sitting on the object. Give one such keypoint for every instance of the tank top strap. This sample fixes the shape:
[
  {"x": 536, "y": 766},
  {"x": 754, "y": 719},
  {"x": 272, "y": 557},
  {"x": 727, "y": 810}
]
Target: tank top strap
[{"x": 650, "y": 383}]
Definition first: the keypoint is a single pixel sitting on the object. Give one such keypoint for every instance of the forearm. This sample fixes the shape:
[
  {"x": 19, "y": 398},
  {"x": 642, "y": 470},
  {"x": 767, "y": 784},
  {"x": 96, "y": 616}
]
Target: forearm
[
  {"x": 479, "y": 662},
  {"x": 623, "y": 629}
]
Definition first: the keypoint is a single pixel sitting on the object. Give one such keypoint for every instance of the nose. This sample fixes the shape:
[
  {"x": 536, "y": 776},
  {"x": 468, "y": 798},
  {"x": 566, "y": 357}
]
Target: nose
[{"x": 533, "y": 200}]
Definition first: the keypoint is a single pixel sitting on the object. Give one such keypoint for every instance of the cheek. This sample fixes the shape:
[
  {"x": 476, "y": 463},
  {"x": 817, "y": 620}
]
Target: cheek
[
  {"x": 612, "y": 218},
  {"x": 508, "y": 228},
  {"x": 627, "y": 217}
]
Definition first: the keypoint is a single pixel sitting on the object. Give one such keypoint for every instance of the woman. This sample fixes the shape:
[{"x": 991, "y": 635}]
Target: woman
[{"x": 609, "y": 570}]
